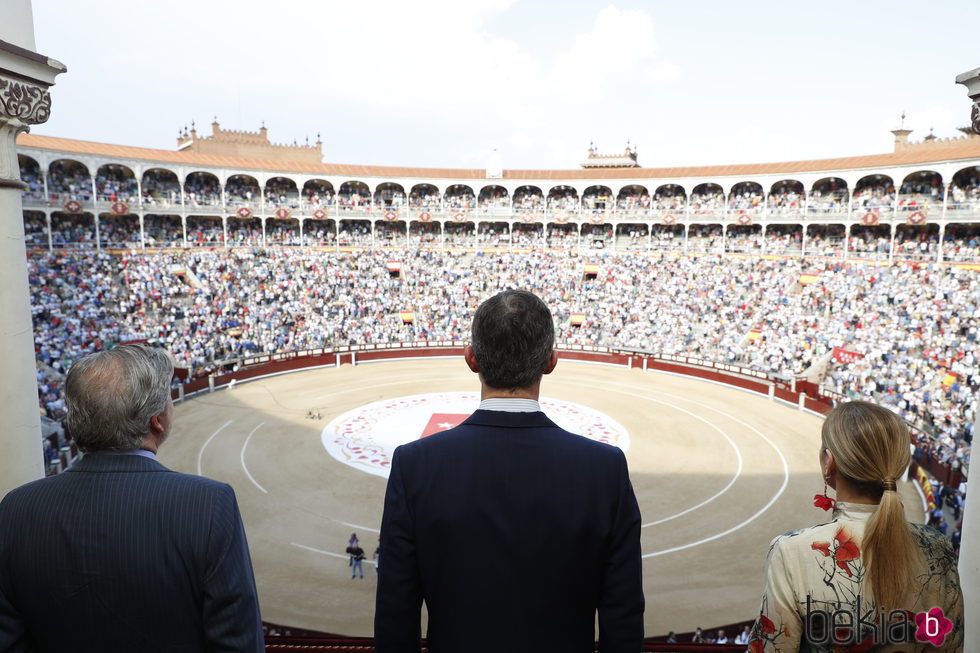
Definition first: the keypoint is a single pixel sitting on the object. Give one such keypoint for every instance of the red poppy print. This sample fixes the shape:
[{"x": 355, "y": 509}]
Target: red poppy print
[{"x": 844, "y": 551}]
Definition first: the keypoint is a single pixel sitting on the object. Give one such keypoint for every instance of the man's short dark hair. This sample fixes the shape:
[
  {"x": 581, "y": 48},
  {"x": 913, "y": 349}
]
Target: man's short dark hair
[{"x": 513, "y": 337}]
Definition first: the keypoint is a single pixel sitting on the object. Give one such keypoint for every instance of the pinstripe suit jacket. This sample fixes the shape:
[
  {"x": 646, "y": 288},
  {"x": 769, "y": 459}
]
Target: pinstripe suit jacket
[{"x": 121, "y": 554}]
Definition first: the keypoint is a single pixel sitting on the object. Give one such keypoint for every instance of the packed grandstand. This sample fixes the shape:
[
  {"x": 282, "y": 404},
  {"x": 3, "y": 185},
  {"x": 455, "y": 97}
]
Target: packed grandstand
[{"x": 862, "y": 275}]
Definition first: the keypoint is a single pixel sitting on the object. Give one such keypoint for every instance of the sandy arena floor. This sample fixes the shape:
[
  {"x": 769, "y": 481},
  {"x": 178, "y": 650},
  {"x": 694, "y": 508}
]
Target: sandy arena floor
[{"x": 718, "y": 473}]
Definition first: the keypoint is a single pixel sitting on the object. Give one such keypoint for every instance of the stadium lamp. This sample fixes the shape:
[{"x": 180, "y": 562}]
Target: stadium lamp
[{"x": 971, "y": 80}]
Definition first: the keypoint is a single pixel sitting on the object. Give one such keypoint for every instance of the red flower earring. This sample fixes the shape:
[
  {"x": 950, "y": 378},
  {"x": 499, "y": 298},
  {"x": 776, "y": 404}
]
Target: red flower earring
[{"x": 822, "y": 500}]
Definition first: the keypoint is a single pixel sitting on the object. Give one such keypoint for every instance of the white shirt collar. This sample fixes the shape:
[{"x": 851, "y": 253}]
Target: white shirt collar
[{"x": 516, "y": 405}]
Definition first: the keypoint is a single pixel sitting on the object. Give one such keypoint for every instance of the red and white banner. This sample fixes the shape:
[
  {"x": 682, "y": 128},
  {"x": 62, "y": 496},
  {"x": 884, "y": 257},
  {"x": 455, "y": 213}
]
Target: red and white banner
[
  {"x": 845, "y": 356},
  {"x": 442, "y": 422}
]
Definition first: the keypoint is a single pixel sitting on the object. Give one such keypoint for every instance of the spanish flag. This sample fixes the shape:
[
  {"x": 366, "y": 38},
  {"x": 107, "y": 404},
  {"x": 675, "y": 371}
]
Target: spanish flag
[
  {"x": 407, "y": 317},
  {"x": 806, "y": 279},
  {"x": 754, "y": 335},
  {"x": 592, "y": 268},
  {"x": 949, "y": 379},
  {"x": 577, "y": 319}
]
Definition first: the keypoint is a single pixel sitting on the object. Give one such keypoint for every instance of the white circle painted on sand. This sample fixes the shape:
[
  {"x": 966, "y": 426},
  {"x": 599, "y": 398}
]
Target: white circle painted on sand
[{"x": 366, "y": 437}]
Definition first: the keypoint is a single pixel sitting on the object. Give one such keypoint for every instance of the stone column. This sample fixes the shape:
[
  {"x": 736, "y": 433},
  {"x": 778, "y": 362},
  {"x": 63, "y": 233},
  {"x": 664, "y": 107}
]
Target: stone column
[{"x": 25, "y": 77}]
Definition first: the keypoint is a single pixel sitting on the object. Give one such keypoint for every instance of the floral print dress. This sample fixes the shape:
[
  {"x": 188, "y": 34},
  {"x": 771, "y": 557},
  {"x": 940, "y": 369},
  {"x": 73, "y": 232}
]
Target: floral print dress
[{"x": 813, "y": 600}]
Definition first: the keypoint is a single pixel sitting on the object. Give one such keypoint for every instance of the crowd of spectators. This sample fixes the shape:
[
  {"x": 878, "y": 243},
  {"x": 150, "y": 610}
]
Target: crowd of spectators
[{"x": 915, "y": 327}]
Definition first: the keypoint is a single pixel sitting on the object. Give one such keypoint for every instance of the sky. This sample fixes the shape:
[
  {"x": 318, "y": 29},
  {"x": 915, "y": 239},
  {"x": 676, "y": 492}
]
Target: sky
[{"x": 444, "y": 83}]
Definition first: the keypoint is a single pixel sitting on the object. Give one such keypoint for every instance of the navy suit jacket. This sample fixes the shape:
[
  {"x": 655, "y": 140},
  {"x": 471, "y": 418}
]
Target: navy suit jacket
[
  {"x": 514, "y": 532},
  {"x": 121, "y": 554}
]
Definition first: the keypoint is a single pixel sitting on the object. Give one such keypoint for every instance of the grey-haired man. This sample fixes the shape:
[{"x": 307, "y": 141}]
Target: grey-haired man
[{"x": 119, "y": 553}]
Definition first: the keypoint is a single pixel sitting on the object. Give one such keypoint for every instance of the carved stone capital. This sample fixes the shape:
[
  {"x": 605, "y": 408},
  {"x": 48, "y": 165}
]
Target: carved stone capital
[
  {"x": 9, "y": 168},
  {"x": 24, "y": 101}
]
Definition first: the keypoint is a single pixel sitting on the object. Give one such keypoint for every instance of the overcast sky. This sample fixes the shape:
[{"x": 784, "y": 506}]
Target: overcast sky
[{"x": 444, "y": 82}]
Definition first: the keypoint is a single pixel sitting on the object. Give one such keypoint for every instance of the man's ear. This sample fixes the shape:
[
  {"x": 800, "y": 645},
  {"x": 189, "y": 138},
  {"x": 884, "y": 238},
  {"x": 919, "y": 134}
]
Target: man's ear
[
  {"x": 549, "y": 368},
  {"x": 470, "y": 357},
  {"x": 157, "y": 426}
]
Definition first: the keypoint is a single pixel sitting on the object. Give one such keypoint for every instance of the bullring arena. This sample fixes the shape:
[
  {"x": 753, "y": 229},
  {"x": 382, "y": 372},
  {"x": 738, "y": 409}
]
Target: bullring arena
[
  {"x": 718, "y": 471},
  {"x": 706, "y": 318}
]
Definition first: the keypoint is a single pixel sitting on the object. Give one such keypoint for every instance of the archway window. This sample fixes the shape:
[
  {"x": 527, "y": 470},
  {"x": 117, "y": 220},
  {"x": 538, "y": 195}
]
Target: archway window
[
  {"x": 492, "y": 196},
  {"x": 318, "y": 193},
  {"x": 242, "y": 188},
  {"x": 784, "y": 239},
  {"x": 30, "y": 174},
  {"x": 828, "y": 195},
  {"x": 163, "y": 230},
  {"x": 115, "y": 182},
  {"x": 160, "y": 188},
  {"x": 35, "y": 230},
  {"x": 597, "y": 198},
  {"x": 389, "y": 196},
  {"x": 874, "y": 193},
  {"x": 73, "y": 230},
  {"x": 563, "y": 198},
  {"x": 528, "y": 198},
  {"x": 353, "y": 195},
  {"x": 746, "y": 196},
  {"x": 460, "y": 196},
  {"x": 787, "y": 197},
  {"x": 424, "y": 196},
  {"x": 69, "y": 180},
  {"x": 633, "y": 197},
  {"x": 202, "y": 189},
  {"x": 354, "y": 232},
  {"x": 921, "y": 191},
  {"x": 670, "y": 197},
  {"x": 204, "y": 231},
  {"x": 707, "y": 238},
  {"x": 117, "y": 231},
  {"x": 707, "y": 198},
  {"x": 964, "y": 192},
  {"x": 282, "y": 232},
  {"x": 825, "y": 240},
  {"x": 282, "y": 192}
]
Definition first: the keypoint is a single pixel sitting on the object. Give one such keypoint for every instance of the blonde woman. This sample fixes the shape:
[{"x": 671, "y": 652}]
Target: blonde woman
[{"x": 868, "y": 580}]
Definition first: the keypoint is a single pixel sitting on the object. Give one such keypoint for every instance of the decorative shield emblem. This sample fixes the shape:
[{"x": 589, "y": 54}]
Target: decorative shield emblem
[
  {"x": 319, "y": 214},
  {"x": 562, "y": 219},
  {"x": 869, "y": 219},
  {"x": 917, "y": 217},
  {"x": 527, "y": 219},
  {"x": 460, "y": 217},
  {"x": 73, "y": 206},
  {"x": 744, "y": 219},
  {"x": 120, "y": 208},
  {"x": 390, "y": 216},
  {"x": 596, "y": 219},
  {"x": 669, "y": 219},
  {"x": 425, "y": 216},
  {"x": 244, "y": 212},
  {"x": 282, "y": 213}
]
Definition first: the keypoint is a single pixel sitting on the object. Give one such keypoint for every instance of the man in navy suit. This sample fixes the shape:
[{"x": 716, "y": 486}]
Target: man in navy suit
[
  {"x": 119, "y": 553},
  {"x": 513, "y": 531}
]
